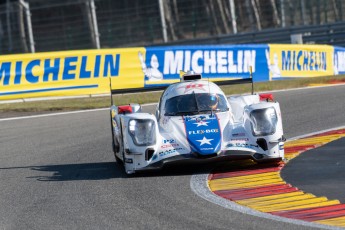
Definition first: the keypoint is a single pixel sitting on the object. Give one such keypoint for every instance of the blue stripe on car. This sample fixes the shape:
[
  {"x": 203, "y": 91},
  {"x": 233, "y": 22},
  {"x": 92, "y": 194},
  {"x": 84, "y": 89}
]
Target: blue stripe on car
[{"x": 203, "y": 134}]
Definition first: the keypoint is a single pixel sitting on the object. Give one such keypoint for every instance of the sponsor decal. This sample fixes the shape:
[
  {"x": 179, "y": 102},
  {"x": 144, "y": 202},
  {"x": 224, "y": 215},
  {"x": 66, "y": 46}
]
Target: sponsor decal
[
  {"x": 203, "y": 131},
  {"x": 206, "y": 148},
  {"x": 205, "y": 141},
  {"x": 242, "y": 145},
  {"x": 201, "y": 123},
  {"x": 168, "y": 141},
  {"x": 238, "y": 134},
  {"x": 203, "y": 134},
  {"x": 192, "y": 87},
  {"x": 169, "y": 145},
  {"x": 169, "y": 151},
  {"x": 281, "y": 146},
  {"x": 240, "y": 139},
  {"x": 201, "y": 118}
]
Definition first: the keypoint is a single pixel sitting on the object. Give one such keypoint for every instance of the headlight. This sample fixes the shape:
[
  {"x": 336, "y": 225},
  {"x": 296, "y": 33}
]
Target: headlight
[
  {"x": 143, "y": 132},
  {"x": 264, "y": 121}
]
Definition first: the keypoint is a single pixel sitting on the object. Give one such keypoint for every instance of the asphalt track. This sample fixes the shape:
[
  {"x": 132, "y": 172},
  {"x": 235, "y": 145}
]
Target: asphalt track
[
  {"x": 58, "y": 172},
  {"x": 320, "y": 170}
]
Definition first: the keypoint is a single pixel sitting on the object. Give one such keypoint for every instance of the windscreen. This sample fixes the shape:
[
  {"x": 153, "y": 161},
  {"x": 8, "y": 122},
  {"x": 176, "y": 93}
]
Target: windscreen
[{"x": 190, "y": 104}]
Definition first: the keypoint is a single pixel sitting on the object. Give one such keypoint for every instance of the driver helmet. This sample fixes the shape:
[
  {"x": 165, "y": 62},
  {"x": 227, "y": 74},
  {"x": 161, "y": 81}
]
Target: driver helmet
[
  {"x": 213, "y": 101},
  {"x": 209, "y": 101}
]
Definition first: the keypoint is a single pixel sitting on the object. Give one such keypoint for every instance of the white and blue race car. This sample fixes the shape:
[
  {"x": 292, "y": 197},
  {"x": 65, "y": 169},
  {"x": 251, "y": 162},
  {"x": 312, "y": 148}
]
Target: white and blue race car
[{"x": 195, "y": 120}]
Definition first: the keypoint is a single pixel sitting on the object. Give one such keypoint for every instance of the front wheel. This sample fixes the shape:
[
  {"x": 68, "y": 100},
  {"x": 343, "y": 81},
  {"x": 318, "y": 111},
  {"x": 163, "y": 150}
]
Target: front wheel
[{"x": 115, "y": 144}]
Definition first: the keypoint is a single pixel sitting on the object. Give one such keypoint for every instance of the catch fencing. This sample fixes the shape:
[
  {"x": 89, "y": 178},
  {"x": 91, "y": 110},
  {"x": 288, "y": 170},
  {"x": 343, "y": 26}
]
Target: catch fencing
[{"x": 50, "y": 25}]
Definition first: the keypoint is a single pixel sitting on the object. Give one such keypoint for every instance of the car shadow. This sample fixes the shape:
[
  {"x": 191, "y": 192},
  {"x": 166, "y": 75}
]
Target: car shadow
[
  {"x": 112, "y": 170},
  {"x": 84, "y": 171}
]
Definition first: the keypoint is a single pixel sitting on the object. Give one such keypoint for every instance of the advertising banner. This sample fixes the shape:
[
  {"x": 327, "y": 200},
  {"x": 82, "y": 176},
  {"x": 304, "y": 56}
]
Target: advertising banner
[
  {"x": 87, "y": 72},
  {"x": 287, "y": 61},
  {"x": 339, "y": 60},
  {"x": 162, "y": 65},
  {"x": 69, "y": 73}
]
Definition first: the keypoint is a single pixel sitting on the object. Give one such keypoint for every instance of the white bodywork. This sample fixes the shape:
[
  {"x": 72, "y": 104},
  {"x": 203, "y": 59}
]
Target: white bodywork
[{"x": 248, "y": 128}]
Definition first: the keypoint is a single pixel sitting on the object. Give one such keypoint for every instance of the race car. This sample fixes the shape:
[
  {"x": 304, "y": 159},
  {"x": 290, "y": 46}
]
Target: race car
[{"x": 195, "y": 120}]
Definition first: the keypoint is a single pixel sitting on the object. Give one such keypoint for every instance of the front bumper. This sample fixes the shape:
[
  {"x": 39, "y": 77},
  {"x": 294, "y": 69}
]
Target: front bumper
[{"x": 228, "y": 155}]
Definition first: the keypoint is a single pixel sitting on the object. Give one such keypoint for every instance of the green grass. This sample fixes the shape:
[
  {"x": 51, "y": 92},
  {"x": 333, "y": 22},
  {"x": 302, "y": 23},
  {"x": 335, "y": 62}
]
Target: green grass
[{"x": 141, "y": 98}]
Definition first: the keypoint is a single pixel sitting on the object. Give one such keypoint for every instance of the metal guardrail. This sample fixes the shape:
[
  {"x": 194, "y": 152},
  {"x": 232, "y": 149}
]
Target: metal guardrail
[{"x": 331, "y": 34}]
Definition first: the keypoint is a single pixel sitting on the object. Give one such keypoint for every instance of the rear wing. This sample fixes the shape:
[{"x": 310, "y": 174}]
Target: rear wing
[
  {"x": 158, "y": 88},
  {"x": 237, "y": 81}
]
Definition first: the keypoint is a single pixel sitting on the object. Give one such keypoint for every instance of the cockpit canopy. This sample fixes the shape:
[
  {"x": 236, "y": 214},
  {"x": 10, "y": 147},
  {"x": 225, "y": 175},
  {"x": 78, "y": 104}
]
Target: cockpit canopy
[{"x": 195, "y": 103}]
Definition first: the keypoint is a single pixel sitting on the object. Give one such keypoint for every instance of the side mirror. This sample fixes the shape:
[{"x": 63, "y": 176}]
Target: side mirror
[{"x": 136, "y": 108}]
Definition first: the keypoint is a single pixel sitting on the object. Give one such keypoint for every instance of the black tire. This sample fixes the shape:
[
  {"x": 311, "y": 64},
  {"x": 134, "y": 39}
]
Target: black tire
[
  {"x": 118, "y": 160},
  {"x": 123, "y": 151},
  {"x": 114, "y": 146}
]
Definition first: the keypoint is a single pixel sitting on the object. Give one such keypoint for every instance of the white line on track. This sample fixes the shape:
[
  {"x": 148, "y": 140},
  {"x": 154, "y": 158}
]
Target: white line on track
[
  {"x": 62, "y": 113},
  {"x": 315, "y": 133},
  {"x": 199, "y": 186},
  {"x": 308, "y": 87},
  {"x": 51, "y": 114}
]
